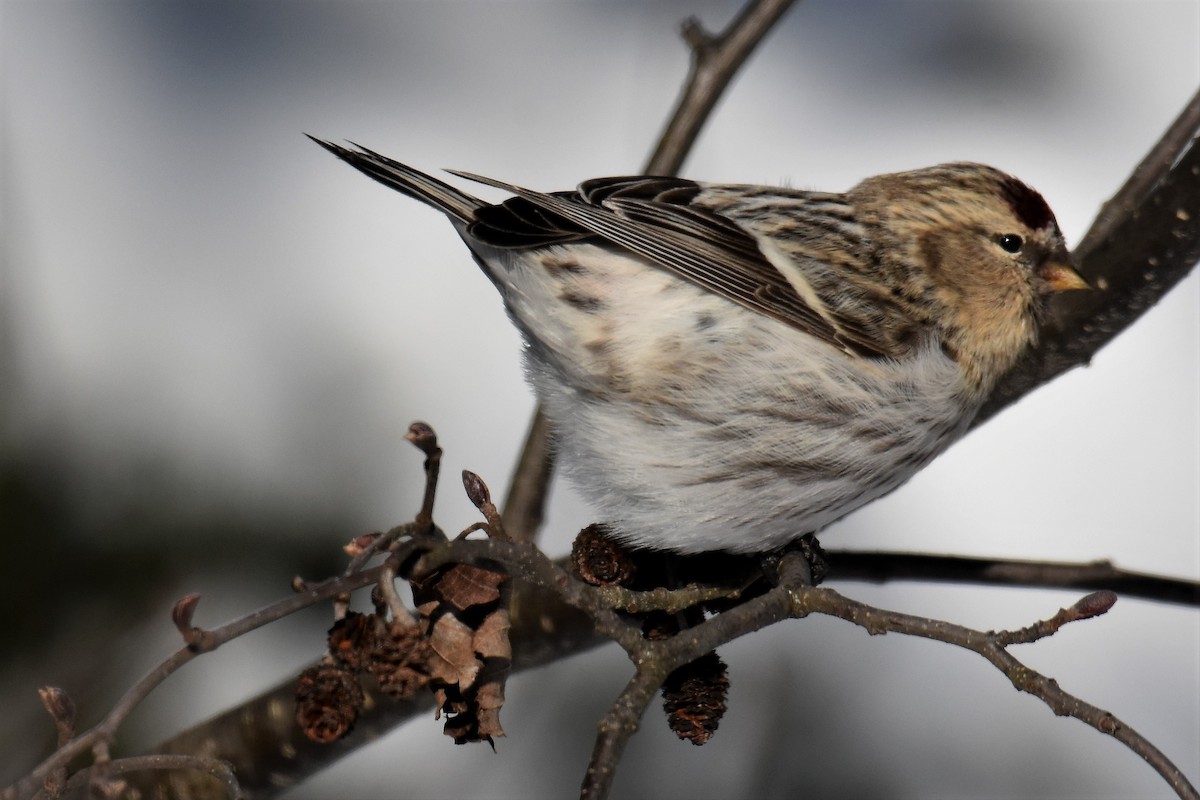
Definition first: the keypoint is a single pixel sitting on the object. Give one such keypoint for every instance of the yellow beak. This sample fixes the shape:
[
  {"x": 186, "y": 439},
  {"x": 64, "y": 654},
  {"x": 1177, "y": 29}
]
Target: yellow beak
[{"x": 1060, "y": 277}]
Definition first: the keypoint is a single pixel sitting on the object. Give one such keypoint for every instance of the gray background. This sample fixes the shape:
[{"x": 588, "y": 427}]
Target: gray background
[{"x": 213, "y": 336}]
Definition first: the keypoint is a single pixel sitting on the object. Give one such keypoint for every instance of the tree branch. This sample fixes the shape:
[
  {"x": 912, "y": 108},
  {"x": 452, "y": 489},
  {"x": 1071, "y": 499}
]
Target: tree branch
[
  {"x": 881, "y": 567},
  {"x": 1145, "y": 177},
  {"x": 1143, "y": 242},
  {"x": 715, "y": 60},
  {"x": 991, "y": 646},
  {"x": 525, "y": 504},
  {"x": 552, "y": 617},
  {"x": 793, "y": 597},
  {"x": 198, "y": 642}
]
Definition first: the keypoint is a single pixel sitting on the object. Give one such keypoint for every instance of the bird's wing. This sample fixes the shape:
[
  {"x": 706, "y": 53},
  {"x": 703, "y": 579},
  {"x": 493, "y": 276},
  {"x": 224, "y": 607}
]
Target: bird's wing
[
  {"x": 459, "y": 206},
  {"x": 653, "y": 217}
]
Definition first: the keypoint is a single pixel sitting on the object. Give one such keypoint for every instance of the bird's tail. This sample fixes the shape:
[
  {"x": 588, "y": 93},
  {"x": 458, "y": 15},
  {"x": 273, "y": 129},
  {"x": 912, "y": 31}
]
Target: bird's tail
[{"x": 459, "y": 206}]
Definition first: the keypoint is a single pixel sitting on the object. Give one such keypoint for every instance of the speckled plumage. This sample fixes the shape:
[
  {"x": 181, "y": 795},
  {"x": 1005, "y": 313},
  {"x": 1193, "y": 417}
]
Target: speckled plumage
[{"x": 731, "y": 367}]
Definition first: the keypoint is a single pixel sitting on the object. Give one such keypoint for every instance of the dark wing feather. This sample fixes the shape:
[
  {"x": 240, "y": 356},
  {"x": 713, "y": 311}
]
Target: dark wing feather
[
  {"x": 457, "y": 205},
  {"x": 698, "y": 245},
  {"x": 518, "y": 223},
  {"x": 652, "y": 217},
  {"x": 639, "y": 187}
]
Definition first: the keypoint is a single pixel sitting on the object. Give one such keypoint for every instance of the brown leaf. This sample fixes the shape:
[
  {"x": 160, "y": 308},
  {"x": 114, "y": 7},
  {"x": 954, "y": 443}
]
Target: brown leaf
[
  {"x": 453, "y": 659},
  {"x": 489, "y": 723},
  {"x": 491, "y": 638},
  {"x": 464, "y": 609},
  {"x": 463, "y": 586}
]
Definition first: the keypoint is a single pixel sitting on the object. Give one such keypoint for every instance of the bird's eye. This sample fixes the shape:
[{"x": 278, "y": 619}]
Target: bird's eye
[{"x": 1010, "y": 242}]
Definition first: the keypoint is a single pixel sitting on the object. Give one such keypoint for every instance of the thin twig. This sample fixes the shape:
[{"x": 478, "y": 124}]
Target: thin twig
[
  {"x": 1086, "y": 607},
  {"x": 670, "y": 601},
  {"x": 615, "y": 730},
  {"x": 525, "y": 503},
  {"x": 826, "y": 601},
  {"x": 391, "y": 598},
  {"x": 794, "y": 598},
  {"x": 546, "y": 629},
  {"x": 881, "y": 567},
  {"x": 715, "y": 60},
  {"x": 424, "y": 439},
  {"x": 213, "y": 637},
  {"x": 656, "y": 659}
]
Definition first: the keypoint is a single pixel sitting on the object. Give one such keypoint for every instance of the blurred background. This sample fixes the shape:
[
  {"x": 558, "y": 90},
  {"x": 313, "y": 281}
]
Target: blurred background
[{"x": 213, "y": 336}]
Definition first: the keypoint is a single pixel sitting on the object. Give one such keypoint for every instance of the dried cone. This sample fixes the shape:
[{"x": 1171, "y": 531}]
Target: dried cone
[
  {"x": 400, "y": 660},
  {"x": 694, "y": 698},
  {"x": 599, "y": 560},
  {"x": 328, "y": 700},
  {"x": 352, "y": 639}
]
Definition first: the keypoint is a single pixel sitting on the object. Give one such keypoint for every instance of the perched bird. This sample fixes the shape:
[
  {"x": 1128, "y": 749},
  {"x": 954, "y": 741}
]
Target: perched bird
[{"x": 730, "y": 367}]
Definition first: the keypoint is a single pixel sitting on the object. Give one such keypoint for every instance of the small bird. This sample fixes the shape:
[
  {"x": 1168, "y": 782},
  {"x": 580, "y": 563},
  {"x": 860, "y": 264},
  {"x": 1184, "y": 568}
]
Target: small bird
[{"x": 731, "y": 367}]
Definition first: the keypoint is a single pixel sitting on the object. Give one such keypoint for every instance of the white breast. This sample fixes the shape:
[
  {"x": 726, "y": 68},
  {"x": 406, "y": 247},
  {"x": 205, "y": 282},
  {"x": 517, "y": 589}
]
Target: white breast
[{"x": 694, "y": 424}]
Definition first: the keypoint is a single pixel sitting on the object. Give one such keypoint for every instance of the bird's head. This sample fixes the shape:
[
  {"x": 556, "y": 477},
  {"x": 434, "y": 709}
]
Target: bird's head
[{"x": 978, "y": 250}]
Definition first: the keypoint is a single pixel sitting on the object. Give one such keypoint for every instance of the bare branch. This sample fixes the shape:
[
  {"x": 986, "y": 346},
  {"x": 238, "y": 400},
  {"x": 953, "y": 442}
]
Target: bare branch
[
  {"x": 793, "y": 597},
  {"x": 1145, "y": 177},
  {"x": 209, "y": 770},
  {"x": 991, "y": 647},
  {"x": 880, "y": 567},
  {"x": 1086, "y": 607},
  {"x": 425, "y": 440},
  {"x": 525, "y": 503},
  {"x": 715, "y": 60},
  {"x": 103, "y": 733},
  {"x": 546, "y": 629},
  {"x": 615, "y": 730},
  {"x": 1145, "y": 240}
]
